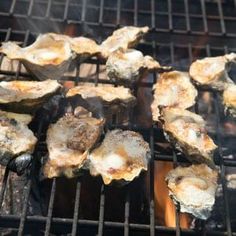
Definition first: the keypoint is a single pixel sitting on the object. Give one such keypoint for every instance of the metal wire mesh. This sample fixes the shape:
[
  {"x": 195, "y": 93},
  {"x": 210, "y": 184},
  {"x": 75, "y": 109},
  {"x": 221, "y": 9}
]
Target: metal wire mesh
[{"x": 181, "y": 31}]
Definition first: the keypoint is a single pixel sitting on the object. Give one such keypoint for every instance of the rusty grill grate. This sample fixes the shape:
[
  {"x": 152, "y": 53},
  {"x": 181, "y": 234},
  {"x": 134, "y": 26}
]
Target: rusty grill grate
[{"x": 181, "y": 31}]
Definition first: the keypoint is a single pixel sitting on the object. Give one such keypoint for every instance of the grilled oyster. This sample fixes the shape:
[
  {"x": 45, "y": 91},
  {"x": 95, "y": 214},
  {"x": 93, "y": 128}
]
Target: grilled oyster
[
  {"x": 194, "y": 187},
  {"x": 229, "y": 99},
  {"x": 213, "y": 71},
  {"x": 129, "y": 65},
  {"x": 107, "y": 94},
  {"x": 46, "y": 58},
  {"x": 187, "y": 131},
  {"x": 82, "y": 46},
  {"x": 68, "y": 142},
  {"x": 26, "y": 95},
  {"x": 124, "y": 38},
  {"x": 16, "y": 138},
  {"x": 121, "y": 156},
  {"x": 173, "y": 89}
]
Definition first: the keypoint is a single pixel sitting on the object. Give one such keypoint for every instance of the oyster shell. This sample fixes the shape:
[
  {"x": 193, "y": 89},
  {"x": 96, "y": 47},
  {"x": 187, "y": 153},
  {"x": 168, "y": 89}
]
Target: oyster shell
[
  {"x": 107, "y": 94},
  {"x": 121, "y": 156},
  {"x": 82, "y": 46},
  {"x": 26, "y": 95},
  {"x": 187, "y": 131},
  {"x": 229, "y": 99},
  {"x": 129, "y": 65},
  {"x": 15, "y": 136},
  {"x": 68, "y": 142},
  {"x": 46, "y": 58},
  {"x": 194, "y": 188},
  {"x": 213, "y": 71},
  {"x": 173, "y": 89},
  {"x": 124, "y": 38}
]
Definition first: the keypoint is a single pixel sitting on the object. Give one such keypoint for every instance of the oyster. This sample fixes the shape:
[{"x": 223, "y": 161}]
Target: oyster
[
  {"x": 107, "y": 94},
  {"x": 16, "y": 138},
  {"x": 129, "y": 65},
  {"x": 194, "y": 188},
  {"x": 68, "y": 142},
  {"x": 213, "y": 71},
  {"x": 187, "y": 131},
  {"x": 173, "y": 89},
  {"x": 124, "y": 38},
  {"x": 26, "y": 95},
  {"x": 46, "y": 58},
  {"x": 82, "y": 46},
  {"x": 121, "y": 156},
  {"x": 229, "y": 99}
]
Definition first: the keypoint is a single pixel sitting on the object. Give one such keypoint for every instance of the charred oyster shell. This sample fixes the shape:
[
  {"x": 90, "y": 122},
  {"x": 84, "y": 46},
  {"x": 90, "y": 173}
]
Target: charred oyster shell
[
  {"x": 229, "y": 100},
  {"x": 26, "y": 95},
  {"x": 129, "y": 65},
  {"x": 16, "y": 138},
  {"x": 124, "y": 38},
  {"x": 68, "y": 142},
  {"x": 213, "y": 71},
  {"x": 173, "y": 89},
  {"x": 121, "y": 156},
  {"x": 194, "y": 188},
  {"x": 186, "y": 131},
  {"x": 46, "y": 58}
]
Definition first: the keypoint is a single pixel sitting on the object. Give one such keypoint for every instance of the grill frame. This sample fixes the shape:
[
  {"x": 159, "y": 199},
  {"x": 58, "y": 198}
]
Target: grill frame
[{"x": 170, "y": 39}]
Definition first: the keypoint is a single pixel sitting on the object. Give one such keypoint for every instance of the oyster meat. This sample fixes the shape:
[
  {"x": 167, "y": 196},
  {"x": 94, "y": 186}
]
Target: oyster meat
[
  {"x": 187, "y": 132},
  {"x": 124, "y": 38},
  {"x": 46, "y": 58},
  {"x": 16, "y": 139},
  {"x": 82, "y": 46},
  {"x": 213, "y": 71},
  {"x": 107, "y": 94},
  {"x": 129, "y": 65},
  {"x": 68, "y": 142},
  {"x": 229, "y": 99},
  {"x": 194, "y": 188},
  {"x": 26, "y": 95},
  {"x": 173, "y": 89},
  {"x": 121, "y": 156}
]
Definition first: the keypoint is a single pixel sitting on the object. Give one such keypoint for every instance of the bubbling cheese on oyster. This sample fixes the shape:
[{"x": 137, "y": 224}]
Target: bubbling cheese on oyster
[
  {"x": 173, "y": 89},
  {"x": 213, "y": 71},
  {"x": 121, "y": 156},
  {"x": 68, "y": 142},
  {"x": 26, "y": 94},
  {"x": 186, "y": 131},
  {"x": 194, "y": 188},
  {"x": 46, "y": 58}
]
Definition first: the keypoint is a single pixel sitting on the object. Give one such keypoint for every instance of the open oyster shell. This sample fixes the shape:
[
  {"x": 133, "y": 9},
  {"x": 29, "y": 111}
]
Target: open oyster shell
[
  {"x": 194, "y": 188},
  {"x": 229, "y": 99},
  {"x": 26, "y": 95},
  {"x": 107, "y": 94},
  {"x": 121, "y": 156},
  {"x": 124, "y": 38},
  {"x": 186, "y": 131},
  {"x": 46, "y": 58},
  {"x": 82, "y": 46},
  {"x": 130, "y": 65},
  {"x": 213, "y": 71},
  {"x": 68, "y": 142},
  {"x": 16, "y": 138},
  {"x": 173, "y": 89}
]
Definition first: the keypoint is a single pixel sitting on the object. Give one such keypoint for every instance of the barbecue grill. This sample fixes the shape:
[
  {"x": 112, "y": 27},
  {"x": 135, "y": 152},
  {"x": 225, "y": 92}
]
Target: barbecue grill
[{"x": 181, "y": 31}]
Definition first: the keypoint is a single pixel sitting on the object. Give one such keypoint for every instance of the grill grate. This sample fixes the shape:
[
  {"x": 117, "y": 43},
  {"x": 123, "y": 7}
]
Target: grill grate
[{"x": 181, "y": 31}]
